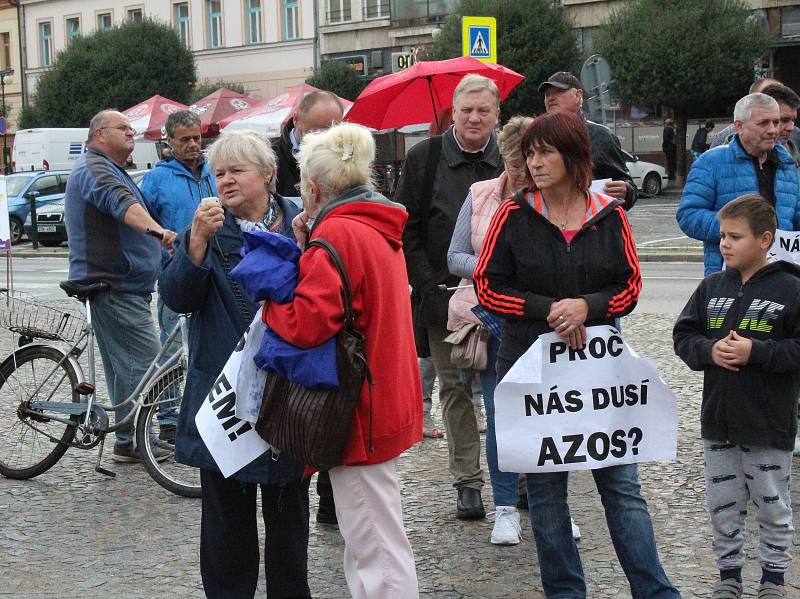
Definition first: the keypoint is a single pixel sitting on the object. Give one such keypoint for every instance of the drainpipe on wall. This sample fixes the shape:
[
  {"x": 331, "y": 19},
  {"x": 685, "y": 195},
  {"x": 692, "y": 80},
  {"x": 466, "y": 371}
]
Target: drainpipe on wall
[
  {"x": 316, "y": 35},
  {"x": 23, "y": 54}
]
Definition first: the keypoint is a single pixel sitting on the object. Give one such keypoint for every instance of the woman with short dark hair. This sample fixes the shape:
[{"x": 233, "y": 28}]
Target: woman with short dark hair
[{"x": 559, "y": 257}]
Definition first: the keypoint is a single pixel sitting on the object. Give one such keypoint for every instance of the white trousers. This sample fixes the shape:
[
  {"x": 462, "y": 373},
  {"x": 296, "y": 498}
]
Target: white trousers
[{"x": 378, "y": 560}]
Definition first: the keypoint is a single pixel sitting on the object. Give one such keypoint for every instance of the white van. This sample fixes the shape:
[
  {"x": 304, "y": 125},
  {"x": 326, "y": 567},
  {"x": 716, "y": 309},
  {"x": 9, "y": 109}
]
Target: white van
[{"x": 49, "y": 149}]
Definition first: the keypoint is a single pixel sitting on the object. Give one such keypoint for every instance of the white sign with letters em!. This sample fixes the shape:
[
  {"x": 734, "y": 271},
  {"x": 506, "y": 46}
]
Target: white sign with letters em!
[
  {"x": 559, "y": 409},
  {"x": 231, "y": 441}
]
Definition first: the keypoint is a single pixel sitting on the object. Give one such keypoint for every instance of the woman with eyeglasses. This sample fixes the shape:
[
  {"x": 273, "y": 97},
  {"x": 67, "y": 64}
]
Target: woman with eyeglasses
[{"x": 196, "y": 280}]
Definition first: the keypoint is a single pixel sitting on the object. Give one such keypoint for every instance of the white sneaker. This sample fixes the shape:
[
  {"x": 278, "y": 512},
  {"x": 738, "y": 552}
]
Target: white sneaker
[
  {"x": 796, "y": 446},
  {"x": 507, "y": 530},
  {"x": 576, "y": 531}
]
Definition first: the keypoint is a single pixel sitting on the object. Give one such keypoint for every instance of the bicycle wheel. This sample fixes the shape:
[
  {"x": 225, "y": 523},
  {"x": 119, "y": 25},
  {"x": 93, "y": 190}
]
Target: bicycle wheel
[
  {"x": 25, "y": 448},
  {"x": 162, "y": 404}
]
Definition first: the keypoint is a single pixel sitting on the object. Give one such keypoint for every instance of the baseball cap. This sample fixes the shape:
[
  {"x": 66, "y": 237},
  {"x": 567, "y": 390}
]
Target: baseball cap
[{"x": 561, "y": 80}]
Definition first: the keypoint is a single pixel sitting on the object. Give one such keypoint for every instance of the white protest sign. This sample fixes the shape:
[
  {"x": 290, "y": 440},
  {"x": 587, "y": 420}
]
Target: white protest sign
[
  {"x": 785, "y": 247},
  {"x": 559, "y": 409},
  {"x": 232, "y": 442},
  {"x": 5, "y": 230}
]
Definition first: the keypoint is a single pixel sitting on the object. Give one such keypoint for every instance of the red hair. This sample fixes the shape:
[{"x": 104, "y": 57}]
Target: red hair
[{"x": 567, "y": 133}]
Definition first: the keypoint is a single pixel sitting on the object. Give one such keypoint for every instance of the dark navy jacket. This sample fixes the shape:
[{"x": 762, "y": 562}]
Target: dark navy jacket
[
  {"x": 215, "y": 326},
  {"x": 101, "y": 246}
]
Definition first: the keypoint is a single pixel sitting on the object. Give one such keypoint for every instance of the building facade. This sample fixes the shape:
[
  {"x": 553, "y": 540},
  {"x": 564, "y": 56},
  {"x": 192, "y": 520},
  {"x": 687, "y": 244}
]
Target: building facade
[{"x": 266, "y": 45}]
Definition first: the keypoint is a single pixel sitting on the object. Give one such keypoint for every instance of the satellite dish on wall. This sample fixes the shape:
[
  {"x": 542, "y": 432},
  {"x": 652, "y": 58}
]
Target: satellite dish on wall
[{"x": 597, "y": 80}]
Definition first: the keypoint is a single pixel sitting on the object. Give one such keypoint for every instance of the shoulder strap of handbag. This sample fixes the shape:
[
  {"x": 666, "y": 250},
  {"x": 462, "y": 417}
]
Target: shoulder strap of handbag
[
  {"x": 349, "y": 314},
  {"x": 431, "y": 166}
]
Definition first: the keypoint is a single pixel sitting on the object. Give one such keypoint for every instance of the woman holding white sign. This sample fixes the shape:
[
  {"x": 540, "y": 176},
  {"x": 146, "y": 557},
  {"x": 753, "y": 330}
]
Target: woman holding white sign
[
  {"x": 560, "y": 257},
  {"x": 196, "y": 280}
]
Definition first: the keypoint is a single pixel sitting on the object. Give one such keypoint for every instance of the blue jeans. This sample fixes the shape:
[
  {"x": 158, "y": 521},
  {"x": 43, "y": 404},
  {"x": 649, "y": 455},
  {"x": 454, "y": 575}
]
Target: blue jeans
[
  {"x": 168, "y": 320},
  {"x": 127, "y": 340},
  {"x": 628, "y": 522},
  {"x": 505, "y": 488}
]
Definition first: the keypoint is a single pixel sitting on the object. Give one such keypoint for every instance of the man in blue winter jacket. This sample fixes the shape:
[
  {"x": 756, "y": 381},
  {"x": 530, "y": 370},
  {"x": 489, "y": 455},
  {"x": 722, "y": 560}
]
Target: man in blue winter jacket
[
  {"x": 753, "y": 162},
  {"x": 173, "y": 190}
]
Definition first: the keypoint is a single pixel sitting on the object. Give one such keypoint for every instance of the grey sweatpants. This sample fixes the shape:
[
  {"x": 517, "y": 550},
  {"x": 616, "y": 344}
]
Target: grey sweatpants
[{"x": 736, "y": 474}]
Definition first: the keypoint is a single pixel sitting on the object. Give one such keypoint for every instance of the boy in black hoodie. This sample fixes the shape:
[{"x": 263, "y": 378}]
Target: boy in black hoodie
[{"x": 742, "y": 329}]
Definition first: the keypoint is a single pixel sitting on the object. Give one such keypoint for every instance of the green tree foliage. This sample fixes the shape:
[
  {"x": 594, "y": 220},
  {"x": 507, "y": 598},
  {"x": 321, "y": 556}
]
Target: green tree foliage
[
  {"x": 683, "y": 54},
  {"x": 534, "y": 38},
  {"x": 117, "y": 68},
  {"x": 206, "y": 87},
  {"x": 338, "y": 77}
]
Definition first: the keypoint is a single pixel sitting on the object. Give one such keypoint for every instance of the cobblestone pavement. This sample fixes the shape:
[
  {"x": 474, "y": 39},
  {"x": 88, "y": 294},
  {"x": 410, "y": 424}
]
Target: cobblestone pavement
[{"x": 73, "y": 533}]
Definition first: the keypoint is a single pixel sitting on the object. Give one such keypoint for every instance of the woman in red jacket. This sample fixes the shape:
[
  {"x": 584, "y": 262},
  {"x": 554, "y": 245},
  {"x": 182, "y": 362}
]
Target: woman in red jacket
[{"x": 366, "y": 230}]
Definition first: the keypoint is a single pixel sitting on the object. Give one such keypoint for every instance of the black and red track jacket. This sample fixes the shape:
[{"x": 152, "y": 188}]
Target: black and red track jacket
[{"x": 526, "y": 264}]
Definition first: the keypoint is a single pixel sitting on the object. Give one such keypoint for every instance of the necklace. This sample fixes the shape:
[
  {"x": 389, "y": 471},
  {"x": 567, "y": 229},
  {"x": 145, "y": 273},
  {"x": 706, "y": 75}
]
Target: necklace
[{"x": 563, "y": 220}]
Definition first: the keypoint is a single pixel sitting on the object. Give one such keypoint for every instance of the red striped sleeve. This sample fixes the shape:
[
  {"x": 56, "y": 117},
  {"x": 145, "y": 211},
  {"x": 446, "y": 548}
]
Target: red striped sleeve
[
  {"x": 630, "y": 294},
  {"x": 507, "y": 304}
]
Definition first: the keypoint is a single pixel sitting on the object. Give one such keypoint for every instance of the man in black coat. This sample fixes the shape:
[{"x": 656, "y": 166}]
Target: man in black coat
[
  {"x": 669, "y": 147},
  {"x": 563, "y": 92},
  {"x": 436, "y": 178},
  {"x": 316, "y": 112}
]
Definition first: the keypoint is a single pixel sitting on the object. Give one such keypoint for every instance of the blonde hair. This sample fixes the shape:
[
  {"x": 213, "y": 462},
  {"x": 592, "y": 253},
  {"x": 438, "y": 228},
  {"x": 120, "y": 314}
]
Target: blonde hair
[
  {"x": 244, "y": 146},
  {"x": 337, "y": 159},
  {"x": 475, "y": 83},
  {"x": 510, "y": 138}
]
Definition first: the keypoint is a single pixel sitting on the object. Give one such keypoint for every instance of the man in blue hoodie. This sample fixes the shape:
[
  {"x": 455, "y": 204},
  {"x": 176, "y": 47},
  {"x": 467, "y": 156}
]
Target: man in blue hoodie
[{"x": 173, "y": 190}]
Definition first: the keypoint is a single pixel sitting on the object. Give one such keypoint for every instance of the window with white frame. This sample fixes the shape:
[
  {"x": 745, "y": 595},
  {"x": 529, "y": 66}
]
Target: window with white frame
[
  {"x": 104, "y": 21},
  {"x": 375, "y": 9},
  {"x": 291, "y": 29},
  {"x": 73, "y": 28},
  {"x": 214, "y": 12},
  {"x": 253, "y": 19},
  {"x": 180, "y": 18},
  {"x": 135, "y": 14},
  {"x": 338, "y": 11},
  {"x": 790, "y": 22},
  {"x": 46, "y": 44}
]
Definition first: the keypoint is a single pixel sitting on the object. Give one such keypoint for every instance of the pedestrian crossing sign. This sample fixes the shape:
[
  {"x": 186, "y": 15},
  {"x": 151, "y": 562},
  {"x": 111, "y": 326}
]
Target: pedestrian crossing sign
[{"x": 479, "y": 35}]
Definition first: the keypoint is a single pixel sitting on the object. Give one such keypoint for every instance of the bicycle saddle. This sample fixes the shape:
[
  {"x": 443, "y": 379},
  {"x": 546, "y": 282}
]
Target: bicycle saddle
[{"x": 83, "y": 292}]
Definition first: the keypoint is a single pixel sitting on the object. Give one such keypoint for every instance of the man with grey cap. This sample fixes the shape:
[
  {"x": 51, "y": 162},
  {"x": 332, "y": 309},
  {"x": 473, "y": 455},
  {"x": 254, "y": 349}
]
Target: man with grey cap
[{"x": 563, "y": 92}]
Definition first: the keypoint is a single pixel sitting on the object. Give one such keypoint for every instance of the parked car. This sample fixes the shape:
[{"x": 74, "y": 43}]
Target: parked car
[
  {"x": 648, "y": 177},
  {"x": 50, "y": 220},
  {"x": 50, "y": 185},
  {"x": 50, "y": 224}
]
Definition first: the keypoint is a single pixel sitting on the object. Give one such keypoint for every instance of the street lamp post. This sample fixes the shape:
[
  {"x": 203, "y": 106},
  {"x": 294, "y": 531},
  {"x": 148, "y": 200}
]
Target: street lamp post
[{"x": 3, "y": 74}]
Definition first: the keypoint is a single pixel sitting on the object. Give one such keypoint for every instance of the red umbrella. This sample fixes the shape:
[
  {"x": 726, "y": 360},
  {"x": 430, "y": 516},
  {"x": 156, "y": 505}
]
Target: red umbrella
[
  {"x": 418, "y": 94},
  {"x": 148, "y": 117},
  {"x": 270, "y": 116},
  {"x": 219, "y": 105}
]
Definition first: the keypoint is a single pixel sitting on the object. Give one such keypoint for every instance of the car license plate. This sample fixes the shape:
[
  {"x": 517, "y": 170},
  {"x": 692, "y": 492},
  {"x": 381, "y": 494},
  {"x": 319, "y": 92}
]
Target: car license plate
[{"x": 46, "y": 228}]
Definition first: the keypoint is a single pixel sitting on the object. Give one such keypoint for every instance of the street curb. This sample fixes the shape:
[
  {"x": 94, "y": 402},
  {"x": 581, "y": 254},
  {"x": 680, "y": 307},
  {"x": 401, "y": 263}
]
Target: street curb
[{"x": 40, "y": 253}]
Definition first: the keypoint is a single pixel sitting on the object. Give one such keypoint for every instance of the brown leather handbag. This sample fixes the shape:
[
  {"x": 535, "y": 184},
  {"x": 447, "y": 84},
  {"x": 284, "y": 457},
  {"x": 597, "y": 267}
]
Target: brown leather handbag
[{"x": 312, "y": 425}]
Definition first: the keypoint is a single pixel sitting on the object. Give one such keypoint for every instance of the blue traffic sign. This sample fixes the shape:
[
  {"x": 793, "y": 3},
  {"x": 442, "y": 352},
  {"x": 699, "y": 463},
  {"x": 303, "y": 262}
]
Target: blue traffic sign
[
  {"x": 479, "y": 41},
  {"x": 3, "y": 125}
]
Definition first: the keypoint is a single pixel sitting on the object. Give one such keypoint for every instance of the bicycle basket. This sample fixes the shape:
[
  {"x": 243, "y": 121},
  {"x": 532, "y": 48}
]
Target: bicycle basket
[{"x": 28, "y": 315}]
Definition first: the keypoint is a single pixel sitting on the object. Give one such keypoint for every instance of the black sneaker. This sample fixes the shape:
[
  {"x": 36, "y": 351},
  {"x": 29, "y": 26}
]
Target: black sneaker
[
  {"x": 126, "y": 454},
  {"x": 326, "y": 512},
  {"x": 167, "y": 433}
]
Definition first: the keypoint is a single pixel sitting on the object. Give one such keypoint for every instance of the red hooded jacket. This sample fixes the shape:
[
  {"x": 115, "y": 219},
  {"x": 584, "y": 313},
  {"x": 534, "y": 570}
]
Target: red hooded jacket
[{"x": 366, "y": 230}]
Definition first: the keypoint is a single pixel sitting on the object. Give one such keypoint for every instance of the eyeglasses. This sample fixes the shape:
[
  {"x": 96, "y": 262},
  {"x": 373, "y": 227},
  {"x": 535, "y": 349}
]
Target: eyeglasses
[{"x": 123, "y": 128}]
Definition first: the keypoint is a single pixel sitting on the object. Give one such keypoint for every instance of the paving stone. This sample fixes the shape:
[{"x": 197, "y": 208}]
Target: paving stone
[{"x": 73, "y": 533}]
